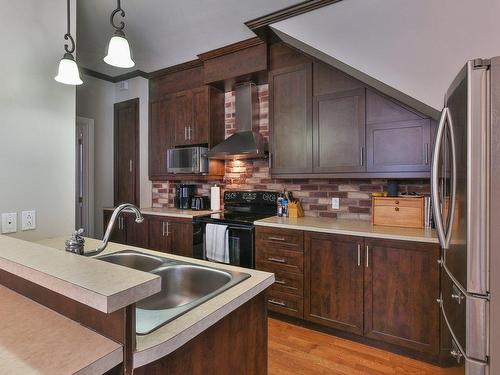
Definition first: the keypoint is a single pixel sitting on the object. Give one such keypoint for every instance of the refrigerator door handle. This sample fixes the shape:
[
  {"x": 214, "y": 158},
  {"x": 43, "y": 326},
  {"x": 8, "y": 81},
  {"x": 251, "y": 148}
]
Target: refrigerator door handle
[
  {"x": 434, "y": 178},
  {"x": 453, "y": 180}
]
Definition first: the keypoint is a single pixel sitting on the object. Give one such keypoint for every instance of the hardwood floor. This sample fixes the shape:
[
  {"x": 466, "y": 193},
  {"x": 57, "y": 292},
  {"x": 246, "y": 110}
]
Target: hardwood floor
[{"x": 296, "y": 350}]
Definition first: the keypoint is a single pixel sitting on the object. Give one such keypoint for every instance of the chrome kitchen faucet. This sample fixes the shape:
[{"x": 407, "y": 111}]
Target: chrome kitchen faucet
[{"x": 76, "y": 243}]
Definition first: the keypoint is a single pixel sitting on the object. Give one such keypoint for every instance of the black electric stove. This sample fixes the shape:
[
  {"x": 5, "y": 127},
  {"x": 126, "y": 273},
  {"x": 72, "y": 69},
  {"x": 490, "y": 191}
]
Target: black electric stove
[{"x": 241, "y": 209}]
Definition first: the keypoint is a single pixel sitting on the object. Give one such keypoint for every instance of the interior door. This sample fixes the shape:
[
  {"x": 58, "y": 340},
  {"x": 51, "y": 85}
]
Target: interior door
[{"x": 126, "y": 152}]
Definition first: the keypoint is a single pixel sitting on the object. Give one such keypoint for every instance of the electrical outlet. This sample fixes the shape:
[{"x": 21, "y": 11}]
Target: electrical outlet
[
  {"x": 336, "y": 203},
  {"x": 9, "y": 222},
  {"x": 28, "y": 220}
]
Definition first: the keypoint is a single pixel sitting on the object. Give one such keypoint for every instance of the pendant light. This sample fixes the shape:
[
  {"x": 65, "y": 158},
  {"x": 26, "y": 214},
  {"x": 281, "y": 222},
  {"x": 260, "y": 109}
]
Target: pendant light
[
  {"x": 118, "y": 52},
  {"x": 68, "y": 70}
]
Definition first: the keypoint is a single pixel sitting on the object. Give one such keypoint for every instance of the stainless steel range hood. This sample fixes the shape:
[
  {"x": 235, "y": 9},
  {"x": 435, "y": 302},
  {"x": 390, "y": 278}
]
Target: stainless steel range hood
[{"x": 246, "y": 142}]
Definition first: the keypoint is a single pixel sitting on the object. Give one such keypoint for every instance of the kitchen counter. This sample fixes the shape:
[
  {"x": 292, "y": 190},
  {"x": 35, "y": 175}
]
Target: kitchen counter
[
  {"x": 100, "y": 285},
  {"x": 178, "y": 332},
  {"x": 171, "y": 212},
  {"x": 37, "y": 340},
  {"x": 350, "y": 227}
]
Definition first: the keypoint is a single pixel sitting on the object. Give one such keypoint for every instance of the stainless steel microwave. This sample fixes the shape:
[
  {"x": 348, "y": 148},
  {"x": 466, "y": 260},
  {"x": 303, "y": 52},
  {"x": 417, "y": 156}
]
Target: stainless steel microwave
[{"x": 187, "y": 160}]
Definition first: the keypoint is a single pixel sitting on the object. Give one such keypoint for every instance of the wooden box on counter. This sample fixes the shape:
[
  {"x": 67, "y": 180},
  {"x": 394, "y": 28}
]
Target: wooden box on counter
[{"x": 398, "y": 212}]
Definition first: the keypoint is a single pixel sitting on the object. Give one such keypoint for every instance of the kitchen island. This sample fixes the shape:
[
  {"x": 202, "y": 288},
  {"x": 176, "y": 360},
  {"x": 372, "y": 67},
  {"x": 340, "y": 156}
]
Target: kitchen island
[{"x": 233, "y": 321}]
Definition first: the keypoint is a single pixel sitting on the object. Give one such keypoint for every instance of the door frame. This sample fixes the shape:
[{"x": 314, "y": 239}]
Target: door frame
[
  {"x": 131, "y": 102},
  {"x": 87, "y": 125}
]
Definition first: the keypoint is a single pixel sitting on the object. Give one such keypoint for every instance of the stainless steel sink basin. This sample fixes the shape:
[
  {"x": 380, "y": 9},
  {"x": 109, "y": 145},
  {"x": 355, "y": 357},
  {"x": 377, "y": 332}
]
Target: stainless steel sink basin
[{"x": 183, "y": 286}]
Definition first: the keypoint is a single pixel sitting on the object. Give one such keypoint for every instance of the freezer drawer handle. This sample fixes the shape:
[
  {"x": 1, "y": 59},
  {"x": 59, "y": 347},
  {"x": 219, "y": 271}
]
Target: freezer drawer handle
[
  {"x": 457, "y": 295},
  {"x": 281, "y": 282}
]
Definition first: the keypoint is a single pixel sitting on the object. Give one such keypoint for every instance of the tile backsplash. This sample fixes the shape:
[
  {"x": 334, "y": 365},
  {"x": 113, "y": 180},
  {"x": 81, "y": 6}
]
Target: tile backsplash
[{"x": 315, "y": 194}]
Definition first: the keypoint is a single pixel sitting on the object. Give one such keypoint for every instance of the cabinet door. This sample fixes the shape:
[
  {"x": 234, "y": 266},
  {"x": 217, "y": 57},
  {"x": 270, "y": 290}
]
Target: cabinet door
[
  {"x": 291, "y": 119},
  {"x": 339, "y": 132},
  {"x": 158, "y": 239},
  {"x": 333, "y": 285},
  {"x": 119, "y": 233},
  {"x": 401, "y": 288},
  {"x": 199, "y": 129},
  {"x": 181, "y": 233},
  {"x": 137, "y": 233},
  {"x": 401, "y": 146},
  {"x": 183, "y": 117},
  {"x": 161, "y": 134}
]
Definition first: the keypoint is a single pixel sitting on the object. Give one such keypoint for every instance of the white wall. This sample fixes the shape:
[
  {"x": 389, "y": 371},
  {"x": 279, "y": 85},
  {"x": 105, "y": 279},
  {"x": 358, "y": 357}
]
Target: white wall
[
  {"x": 95, "y": 99},
  {"x": 37, "y": 123},
  {"x": 416, "y": 47}
]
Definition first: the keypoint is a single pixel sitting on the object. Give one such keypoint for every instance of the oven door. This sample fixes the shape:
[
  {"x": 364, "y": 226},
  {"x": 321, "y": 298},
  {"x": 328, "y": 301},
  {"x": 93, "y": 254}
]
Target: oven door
[{"x": 241, "y": 243}]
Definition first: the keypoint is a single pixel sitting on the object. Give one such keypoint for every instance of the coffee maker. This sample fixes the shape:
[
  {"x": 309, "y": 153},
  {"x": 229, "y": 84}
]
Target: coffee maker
[{"x": 183, "y": 195}]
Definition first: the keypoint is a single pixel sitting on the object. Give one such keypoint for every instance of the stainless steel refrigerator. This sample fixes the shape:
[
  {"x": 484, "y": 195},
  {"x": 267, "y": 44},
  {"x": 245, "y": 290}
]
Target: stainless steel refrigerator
[{"x": 465, "y": 198}]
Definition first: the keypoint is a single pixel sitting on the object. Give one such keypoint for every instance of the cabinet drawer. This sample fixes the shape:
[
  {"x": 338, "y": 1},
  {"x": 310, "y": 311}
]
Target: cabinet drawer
[
  {"x": 285, "y": 303},
  {"x": 280, "y": 238},
  {"x": 398, "y": 202},
  {"x": 279, "y": 260},
  {"x": 410, "y": 217},
  {"x": 286, "y": 282}
]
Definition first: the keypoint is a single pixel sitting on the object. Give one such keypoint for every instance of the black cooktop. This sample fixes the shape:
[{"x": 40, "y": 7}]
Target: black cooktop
[{"x": 230, "y": 217}]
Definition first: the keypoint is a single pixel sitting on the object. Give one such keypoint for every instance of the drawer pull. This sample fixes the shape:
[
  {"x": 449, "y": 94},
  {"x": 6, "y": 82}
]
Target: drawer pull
[
  {"x": 272, "y": 238},
  {"x": 277, "y": 302},
  {"x": 281, "y": 282},
  {"x": 457, "y": 295},
  {"x": 396, "y": 209},
  {"x": 277, "y": 260},
  {"x": 396, "y": 202}
]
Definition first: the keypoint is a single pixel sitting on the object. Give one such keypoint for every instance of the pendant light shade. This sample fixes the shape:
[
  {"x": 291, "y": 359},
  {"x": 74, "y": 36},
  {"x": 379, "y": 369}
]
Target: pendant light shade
[
  {"x": 67, "y": 72},
  {"x": 118, "y": 52}
]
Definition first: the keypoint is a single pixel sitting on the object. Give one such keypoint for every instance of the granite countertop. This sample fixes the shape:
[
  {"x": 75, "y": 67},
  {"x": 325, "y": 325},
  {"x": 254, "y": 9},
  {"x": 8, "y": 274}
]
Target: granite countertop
[
  {"x": 178, "y": 332},
  {"x": 36, "y": 340},
  {"x": 103, "y": 286},
  {"x": 172, "y": 212},
  {"x": 350, "y": 227}
]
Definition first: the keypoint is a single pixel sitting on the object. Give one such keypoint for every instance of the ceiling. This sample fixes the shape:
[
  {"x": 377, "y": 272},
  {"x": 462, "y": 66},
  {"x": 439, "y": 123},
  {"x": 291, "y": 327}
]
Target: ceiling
[
  {"x": 416, "y": 47},
  {"x": 166, "y": 33}
]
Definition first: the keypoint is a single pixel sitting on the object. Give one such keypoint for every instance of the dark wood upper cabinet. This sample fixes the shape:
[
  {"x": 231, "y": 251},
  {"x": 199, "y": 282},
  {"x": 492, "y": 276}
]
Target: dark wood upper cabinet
[
  {"x": 161, "y": 135},
  {"x": 401, "y": 288},
  {"x": 333, "y": 284},
  {"x": 398, "y": 138},
  {"x": 190, "y": 117},
  {"x": 290, "y": 112},
  {"x": 339, "y": 132}
]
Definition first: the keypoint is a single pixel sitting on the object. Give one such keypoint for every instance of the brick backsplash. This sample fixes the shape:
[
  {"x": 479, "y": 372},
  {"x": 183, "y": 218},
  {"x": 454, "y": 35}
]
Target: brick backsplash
[{"x": 315, "y": 194}]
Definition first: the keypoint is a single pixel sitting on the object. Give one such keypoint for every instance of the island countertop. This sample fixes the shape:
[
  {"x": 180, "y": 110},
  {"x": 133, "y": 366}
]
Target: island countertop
[
  {"x": 179, "y": 331},
  {"x": 36, "y": 340},
  {"x": 361, "y": 228},
  {"x": 103, "y": 286}
]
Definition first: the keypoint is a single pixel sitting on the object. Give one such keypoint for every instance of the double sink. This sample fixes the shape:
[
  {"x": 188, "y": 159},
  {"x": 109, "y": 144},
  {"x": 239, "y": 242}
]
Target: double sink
[{"x": 183, "y": 286}]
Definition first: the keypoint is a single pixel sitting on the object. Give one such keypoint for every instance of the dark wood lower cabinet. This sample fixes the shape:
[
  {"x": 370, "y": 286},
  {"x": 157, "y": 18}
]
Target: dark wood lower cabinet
[
  {"x": 401, "y": 288},
  {"x": 382, "y": 292},
  {"x": 161, "y": 233},
  {"x": 236, "y": 344},
  {"x": 333, "y": 282}
]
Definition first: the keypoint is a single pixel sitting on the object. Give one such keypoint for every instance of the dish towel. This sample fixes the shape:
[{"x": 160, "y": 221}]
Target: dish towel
[{"x": 216, "y": 243}]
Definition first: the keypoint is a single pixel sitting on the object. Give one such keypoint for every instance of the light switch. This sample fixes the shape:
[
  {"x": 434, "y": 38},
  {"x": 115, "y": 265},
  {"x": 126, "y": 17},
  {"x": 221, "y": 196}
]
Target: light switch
[
  {"x": 28, "y": 220},
  {"x": 336, "y": 203},
  {"x": 9, "y": 222}
]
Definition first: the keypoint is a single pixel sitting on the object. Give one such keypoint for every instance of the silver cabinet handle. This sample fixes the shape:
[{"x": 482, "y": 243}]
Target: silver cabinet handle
[
  {"x": 281, "y": 282},
  {"x": 272, "y": 238},
  {"x": 362, "y": 156},
  {"x": 270, "y": 160},
  {"x": 185, "y": 132},
  {"x": 163, "y": 229},
  {"x": 168, "y": 229},
  {"x": 277, "y": 260},
  {"x": 426, "y": 154},
  {"x": 359, "y": 255},
  {"x": 119, "y": 223},
  {"x": 190, "y": 131},
  {"x": 277, "y": 302},
  {"x": 367, "y": 256},
  {"x": 130, "y": 165},
  {"x": 457, "y": 295}
]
